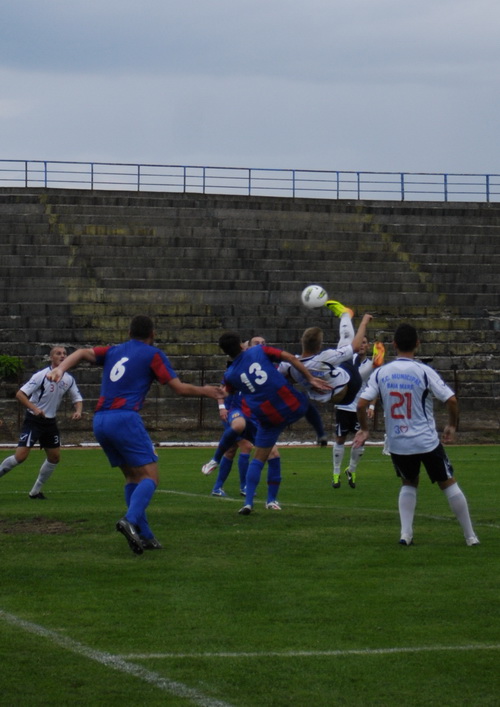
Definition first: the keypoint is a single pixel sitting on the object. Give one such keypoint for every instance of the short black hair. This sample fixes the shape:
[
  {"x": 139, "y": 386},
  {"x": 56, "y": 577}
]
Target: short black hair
[
  {"x": 406, "y": 337},
  {"x": 230, "y": 343},
  {"x": 141, "y": 327}
]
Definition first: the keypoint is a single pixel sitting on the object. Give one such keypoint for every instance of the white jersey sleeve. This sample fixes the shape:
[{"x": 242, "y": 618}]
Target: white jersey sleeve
[{"x": 321, "y": 366}]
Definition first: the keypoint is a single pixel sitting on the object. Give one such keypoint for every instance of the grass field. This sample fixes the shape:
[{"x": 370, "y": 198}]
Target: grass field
[{"x": 317, "y": 605}]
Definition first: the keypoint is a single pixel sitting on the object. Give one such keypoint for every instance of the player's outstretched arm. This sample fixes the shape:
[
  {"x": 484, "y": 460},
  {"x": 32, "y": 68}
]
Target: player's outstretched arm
[
  {"x": 70, "y": 362},
  {"x": 196, "y": 391},
  {"x": 361, "y": 332}
]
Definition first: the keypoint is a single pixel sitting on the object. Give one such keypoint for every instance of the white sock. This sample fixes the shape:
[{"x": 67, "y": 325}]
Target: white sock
[
  {"x": 338, "y": 455},
  {"x": 8, "y": 464},
  {"x": 44, "y": 474},
  {"x": 407, "y": 503},
  {"x": 459, "y": 506},
  {"x": 356, "y": 454},
  {"x": 346, "y": 329}
]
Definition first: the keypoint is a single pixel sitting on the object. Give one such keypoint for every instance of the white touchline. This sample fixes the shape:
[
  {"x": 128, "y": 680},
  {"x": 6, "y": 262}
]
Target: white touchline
[
  {"x": 178, "y": 689},
  {"x": 316, "y": 654}
]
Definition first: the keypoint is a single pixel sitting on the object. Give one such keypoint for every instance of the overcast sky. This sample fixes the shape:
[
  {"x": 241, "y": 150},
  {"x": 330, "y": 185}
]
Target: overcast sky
[{"x": 383, "y": 85}]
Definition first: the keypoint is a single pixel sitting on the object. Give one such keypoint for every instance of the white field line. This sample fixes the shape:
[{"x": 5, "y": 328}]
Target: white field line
[
  {"x": 313, "y": 506},
  {"x": 307, "y": 506},
  {"x": 315, "y": 654},
  {"x": 177, "y": 689}
]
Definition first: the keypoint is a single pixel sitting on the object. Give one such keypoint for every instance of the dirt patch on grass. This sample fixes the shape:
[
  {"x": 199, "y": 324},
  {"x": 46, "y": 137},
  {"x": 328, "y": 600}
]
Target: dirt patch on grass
[{"x": 37, "y": 526}]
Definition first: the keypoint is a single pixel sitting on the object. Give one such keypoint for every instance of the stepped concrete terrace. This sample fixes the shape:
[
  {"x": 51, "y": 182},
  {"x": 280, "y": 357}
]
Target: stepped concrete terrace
[{"x": 75, "y": 266}]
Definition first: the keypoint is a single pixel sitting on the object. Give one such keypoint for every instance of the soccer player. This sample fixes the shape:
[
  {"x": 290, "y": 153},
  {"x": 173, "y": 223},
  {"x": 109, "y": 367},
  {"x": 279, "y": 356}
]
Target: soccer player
[
  {"x": 346, "y": 419},
  {"x": 406, "y": 387},
  {"x": 42, "y": 398},
  {"x": 267, "y": 397},
  {"x": 129, "y": 369},
  {"x": 240, "y": 432}
]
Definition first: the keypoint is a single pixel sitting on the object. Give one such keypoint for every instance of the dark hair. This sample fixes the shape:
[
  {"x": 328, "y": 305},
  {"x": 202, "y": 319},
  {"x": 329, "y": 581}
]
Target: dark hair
[
  {"x": 141, "y": 327},
  {"x": 406, "y": 337},
  {"x": 230, "y": 343}
]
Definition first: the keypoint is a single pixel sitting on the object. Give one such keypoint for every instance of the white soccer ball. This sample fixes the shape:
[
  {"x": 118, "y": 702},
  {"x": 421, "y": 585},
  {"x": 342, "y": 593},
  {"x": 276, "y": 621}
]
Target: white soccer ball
[{"x": 314, "y": 296}]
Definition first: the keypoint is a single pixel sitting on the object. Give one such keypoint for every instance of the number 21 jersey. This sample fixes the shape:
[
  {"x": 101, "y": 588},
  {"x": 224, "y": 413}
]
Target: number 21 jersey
[{"x": 406, "y": 387}]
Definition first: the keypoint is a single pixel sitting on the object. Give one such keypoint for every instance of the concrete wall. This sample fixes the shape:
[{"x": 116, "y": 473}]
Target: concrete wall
[{"x": 75, "y": 266}]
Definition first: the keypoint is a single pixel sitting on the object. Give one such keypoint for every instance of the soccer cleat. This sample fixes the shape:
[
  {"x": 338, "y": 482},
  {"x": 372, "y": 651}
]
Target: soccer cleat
[
  {"x": 322, "y": 441},
  {"x": 132, "y": 536},
  {"x": 338, "y": 309},
  {"x": 351, "y": 478},
  {"x": 209, "y": 467},
  {"x": 378, "y": 354},
  {"x": 38, "y": 495},
  {"x": 273, "y": 506},
  {"x": 151, "y": 544},
  {"x": 473, "y": 540},
  {"x": 406, "y": 540},
  {"x": 336, "y": 481},
  {"x": 219, "y": 492},
  {"x": 243, "y": 491},
  {"x": 246, "y": 510}
]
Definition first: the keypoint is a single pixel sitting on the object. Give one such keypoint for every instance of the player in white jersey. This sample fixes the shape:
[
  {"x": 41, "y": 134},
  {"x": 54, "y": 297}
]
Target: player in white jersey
[
  {"x": 405, "y": 387},
  {"x": 42, "y": 398},
  {"x": 326, "y": 364},
  {"x": 346, "y": 419}
]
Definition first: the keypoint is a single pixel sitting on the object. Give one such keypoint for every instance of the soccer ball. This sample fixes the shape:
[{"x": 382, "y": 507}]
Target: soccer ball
[{"x": 314, "y": 296}]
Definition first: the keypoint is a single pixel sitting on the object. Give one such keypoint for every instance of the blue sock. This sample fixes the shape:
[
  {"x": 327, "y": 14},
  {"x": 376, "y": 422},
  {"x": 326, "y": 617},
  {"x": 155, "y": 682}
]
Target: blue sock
[
  {"x": 253, "y": 478},
  {"x": 144, "y": 529},
  {"x": 243, "y": 462},
  {"x": 227, "y": 441},
  {"x": 273, "y": 478},
  {"x": 224, "y": 469},
  {"x": 139, "y": 501}
]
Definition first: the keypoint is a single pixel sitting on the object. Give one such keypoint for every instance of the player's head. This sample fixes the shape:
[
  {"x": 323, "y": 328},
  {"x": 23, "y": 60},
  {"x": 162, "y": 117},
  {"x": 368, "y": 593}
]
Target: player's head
[
  {"x": 406, "y": 338},
  {"x": 256, "y": 341},
  {"x": 141, "y": 327},
  {"x": 230, "y": 343},
  {"x": 312, "y": 340},
  {"x": 363, "y": 347},
  {"x": 56, "y": 355}
]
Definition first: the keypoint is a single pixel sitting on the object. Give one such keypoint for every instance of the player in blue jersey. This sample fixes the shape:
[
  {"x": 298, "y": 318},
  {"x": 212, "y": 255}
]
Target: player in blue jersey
[
  {"x": 406, "y": 388},
  {"x": 129, "y": 369},
  {"x": 240, "y": 432},
  {"x": 267, "y": 398}
]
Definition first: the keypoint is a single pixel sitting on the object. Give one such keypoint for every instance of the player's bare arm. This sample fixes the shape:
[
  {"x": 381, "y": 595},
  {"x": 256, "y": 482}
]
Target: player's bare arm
[
  {"x": 363, "y": 433},
  {"x": 24, "y": 400},
  {"x": 193, "y": 391},
  {"x": 71, "y": 361},
  {"x": 449, "y": 431},
  {"x": 357, "y": 342}
]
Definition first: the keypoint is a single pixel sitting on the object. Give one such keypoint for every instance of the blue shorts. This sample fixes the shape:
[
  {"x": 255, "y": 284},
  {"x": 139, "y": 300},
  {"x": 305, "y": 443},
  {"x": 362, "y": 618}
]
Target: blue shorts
[{"x": 123, "y": 438}]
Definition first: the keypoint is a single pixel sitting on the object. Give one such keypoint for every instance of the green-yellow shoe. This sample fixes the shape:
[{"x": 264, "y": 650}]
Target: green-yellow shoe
[
  {"x": 336, "y": 481},
  {"x": 338, "y": 309}
]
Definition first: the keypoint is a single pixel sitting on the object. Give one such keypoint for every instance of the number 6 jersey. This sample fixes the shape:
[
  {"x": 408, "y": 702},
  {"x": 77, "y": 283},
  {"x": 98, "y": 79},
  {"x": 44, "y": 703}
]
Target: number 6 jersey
[
  {"x": 129, "y": 370},
  {"x": 406, "y": 387}
]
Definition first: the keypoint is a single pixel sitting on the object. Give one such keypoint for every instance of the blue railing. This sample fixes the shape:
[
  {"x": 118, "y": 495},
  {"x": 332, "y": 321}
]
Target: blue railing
[{"x": 295, "y": 183}]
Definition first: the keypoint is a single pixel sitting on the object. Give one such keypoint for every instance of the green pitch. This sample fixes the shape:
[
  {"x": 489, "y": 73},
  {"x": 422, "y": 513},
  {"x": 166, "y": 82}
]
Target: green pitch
[{"x": 317, "y": 605}]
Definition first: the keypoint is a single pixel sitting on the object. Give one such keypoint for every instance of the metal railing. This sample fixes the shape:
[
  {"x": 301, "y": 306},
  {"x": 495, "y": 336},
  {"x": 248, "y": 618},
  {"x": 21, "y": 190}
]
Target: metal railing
[{"x": 295, "y": 183}]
